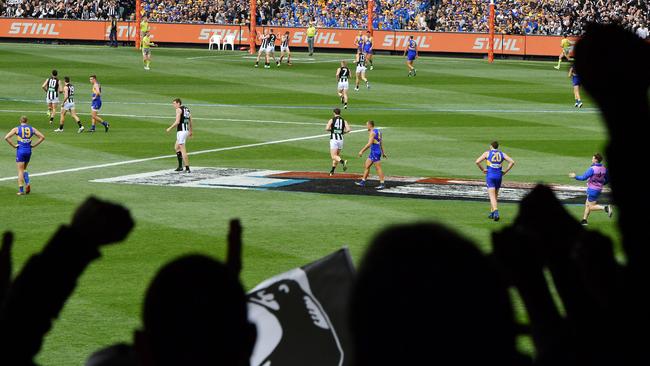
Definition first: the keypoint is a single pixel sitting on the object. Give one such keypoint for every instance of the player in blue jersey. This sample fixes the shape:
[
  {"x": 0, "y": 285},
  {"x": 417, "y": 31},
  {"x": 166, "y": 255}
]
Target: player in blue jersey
[
  {"x": 367, "y": 49},
  {"x": 358, "y": 41},
  {"x": 411, "y": 53},
  {"x": 24, "y": 133},
  {"x": 96, "y": 105},
  {"x": 376, "y": 146},
  {"x": 494, "y": 173},
  {"x": 575, "y": 80}
]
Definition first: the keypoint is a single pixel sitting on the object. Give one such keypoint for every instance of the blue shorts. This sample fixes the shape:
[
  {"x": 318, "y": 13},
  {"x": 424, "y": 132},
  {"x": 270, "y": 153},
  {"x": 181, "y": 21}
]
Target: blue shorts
[
  {"x": 493, "y": 182},
  {"x": 374, "y": 156},
  {"x": 410, "y": 56},
  {"x": 593, "y": 194},
  {"x": 23, "y": 156},
  {"x": 368, "y": 50},
  {"x": 576, "y": 80},
  {"x": 96, "y": 104}
]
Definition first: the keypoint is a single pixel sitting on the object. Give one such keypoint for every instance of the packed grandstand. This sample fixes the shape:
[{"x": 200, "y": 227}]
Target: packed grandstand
[{"x": 545, "y": 17}]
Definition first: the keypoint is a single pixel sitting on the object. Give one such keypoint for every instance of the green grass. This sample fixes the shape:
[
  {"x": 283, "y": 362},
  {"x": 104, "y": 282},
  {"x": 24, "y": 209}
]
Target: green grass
[{"x": 437, "y": 124}]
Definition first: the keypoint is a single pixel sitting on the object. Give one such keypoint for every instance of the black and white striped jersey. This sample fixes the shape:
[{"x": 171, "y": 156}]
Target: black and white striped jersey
[
  {"x": 52, "y": 88},
  {"x": 69, "y": 97},
  {"x": 362, "y": 60},
  {"x": 338, "y": 128},
  {"x": 184, "y": 125},
  {"x": 265, "y": 41},
  {"x": 344, "y": 74},
  {"x": 285, "y": 41}
]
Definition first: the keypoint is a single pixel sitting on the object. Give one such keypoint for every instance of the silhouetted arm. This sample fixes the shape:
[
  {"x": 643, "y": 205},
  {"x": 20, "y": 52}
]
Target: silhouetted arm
[{"x": 42, "y": 287}]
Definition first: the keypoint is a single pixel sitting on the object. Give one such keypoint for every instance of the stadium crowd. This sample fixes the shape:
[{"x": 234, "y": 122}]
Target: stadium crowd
[
  {"x": 545, "y": 17},
  {"x": 69, "y": 9}
]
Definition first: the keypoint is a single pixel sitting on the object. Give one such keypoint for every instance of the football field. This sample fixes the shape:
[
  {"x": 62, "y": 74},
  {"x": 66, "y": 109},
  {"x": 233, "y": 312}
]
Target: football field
[{"x": 261, "y": 125}]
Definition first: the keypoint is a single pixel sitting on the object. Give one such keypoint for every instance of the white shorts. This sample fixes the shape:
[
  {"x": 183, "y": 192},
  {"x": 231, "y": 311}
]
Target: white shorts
[
  {"x": 52, "y": 101},
  {"x": 360, "y": 69},
  {"x": 68, "y": 106},
  {"x": 269, "y": 49},
  {"x": 336, "y": 144},
  {"x": 343, "y": 85},
  {"x": 181, "y": 137},
  {"x": 284, "y": 49}
]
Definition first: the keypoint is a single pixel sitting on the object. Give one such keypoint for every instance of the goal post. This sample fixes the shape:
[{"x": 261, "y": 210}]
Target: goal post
[
  {"x": 138, "y": 19},
  {"x": 252, "y": 28},
  {"x": 491, "y": 35},
  {"x": 371, "y": 15}
]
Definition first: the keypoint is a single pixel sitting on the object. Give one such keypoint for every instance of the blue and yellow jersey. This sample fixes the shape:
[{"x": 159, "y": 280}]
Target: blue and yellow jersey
[
  {"x": 99, "y": 88},
  {"x": 495, "y": 160},
  {"x": 412, "y": 46},
  {"x": 376, "y": 142},
  {"x": 24, "y": 137}
]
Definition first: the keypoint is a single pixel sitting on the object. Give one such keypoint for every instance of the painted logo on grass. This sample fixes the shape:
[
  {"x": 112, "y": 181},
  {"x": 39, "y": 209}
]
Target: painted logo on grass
[{"x": 315, "y": 182}]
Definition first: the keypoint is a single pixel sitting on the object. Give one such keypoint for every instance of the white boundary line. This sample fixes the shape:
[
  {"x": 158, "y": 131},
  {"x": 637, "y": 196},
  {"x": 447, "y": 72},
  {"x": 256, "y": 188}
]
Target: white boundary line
[{"x": 135, "y": 161}]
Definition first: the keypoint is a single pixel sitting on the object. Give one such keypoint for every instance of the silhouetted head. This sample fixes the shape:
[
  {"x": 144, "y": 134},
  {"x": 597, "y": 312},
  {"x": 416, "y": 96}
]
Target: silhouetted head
[
  {"x": 195, "y": 314},
  {"x": 494, "y": 144},
  {"x": 120, "y": 354},
  {"x": 424, "y": 294}
]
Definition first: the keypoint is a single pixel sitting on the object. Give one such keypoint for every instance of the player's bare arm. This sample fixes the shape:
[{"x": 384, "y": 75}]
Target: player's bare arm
[
  {"x": 329, "y": 125},
  {"x": 96, "y": 91},
  {"x": 191, "y": 128},
  {"x": 367, "y": 146},
  {"x": 9, "y": 135},
  {"x": 381, "y": 146},
  {"x": 177, "y": 121},
  {"x": 511, "y": 163},
  {"x": 40, "y": 136},
  {"x": 44, "y": 86},
  {"x": 480, "y": 160},
  {"x": 347, "y": 128},
  {"x": 338, "y": 72}
]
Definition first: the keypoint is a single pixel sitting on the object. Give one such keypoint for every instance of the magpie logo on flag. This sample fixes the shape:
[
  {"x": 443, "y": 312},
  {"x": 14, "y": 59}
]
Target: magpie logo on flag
[{"x": 298, "y": 320}]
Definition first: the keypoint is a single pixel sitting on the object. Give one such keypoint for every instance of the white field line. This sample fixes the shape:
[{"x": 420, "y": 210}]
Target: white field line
[
  {"x": 135, "y": 161},
  {"x": 323, "y": 107},
  {"x": 264, "y": 121}
]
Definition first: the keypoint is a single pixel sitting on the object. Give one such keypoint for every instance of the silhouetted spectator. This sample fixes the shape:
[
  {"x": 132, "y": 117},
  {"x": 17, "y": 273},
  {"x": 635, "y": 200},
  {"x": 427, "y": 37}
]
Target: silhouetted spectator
[
  {"x": 195, "y": 313},
  {"x": 37, "y": 295},
  {"x": 425, "y": 295}
]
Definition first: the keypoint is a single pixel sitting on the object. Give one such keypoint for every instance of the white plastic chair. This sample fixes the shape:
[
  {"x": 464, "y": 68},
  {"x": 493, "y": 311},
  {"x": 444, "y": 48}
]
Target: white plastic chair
[
  {"x": 215, "y": 39},
  {"x": 229, "y": 39}
]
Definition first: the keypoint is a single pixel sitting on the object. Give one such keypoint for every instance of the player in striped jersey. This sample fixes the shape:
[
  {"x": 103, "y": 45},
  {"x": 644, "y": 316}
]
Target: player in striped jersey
[
  {"x": 183, "y": 125},
  {"x": 68, "y": 105},
  {"x": 284, "y": 49},
  {"x": 343, "y": 76},
  {"x": 270, "y": 50},
  {"x": 264, "y": 41},
  {"x": 337, "y": 127},
  {"x": 360, "y": 71},
  {"x": 52, "y": 88},
  {"x": 24, "y": 133}
]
